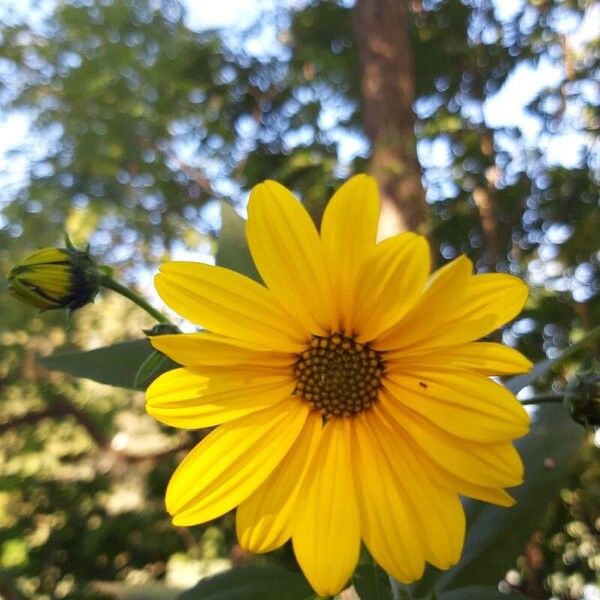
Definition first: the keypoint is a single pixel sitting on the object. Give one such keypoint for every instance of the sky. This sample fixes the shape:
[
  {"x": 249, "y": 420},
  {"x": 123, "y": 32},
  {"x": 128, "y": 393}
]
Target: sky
[{"x": 506, "y": 108}]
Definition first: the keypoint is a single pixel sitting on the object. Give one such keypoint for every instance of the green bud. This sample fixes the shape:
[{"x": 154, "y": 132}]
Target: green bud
[
  {"x": 54, "y": 278},
  {"x": 582, "y": 399}
]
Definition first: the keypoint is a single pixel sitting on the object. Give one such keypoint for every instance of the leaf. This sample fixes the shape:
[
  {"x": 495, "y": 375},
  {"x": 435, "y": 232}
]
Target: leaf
[
  {"x": 252, "y": 583},
  {"x": 155, "y": 364},
  {"x": 371, "y": 581},
  {"x": 480, "y": 592},
  {"x": 232, "y": 250},
  {"x": 116, "y": 365},
  {"x": 497, "y": 535},
  {"x": 516, "y": 384}
]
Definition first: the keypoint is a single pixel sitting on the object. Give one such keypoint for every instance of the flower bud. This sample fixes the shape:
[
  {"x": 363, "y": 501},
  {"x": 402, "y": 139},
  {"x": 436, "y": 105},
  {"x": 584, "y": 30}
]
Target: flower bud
[
  {"x": 582, "y": 398},
  {"x": 55, "y": 278}
]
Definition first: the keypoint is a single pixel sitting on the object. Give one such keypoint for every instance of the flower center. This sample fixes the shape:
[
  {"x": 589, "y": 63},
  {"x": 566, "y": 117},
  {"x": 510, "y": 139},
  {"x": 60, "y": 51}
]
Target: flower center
[{"x": 338, "y": 376}]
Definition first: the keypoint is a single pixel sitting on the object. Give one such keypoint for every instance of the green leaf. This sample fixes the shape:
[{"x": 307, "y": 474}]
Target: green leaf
[
  {"x": 116, "y": 365},
  {"x": 497, "y": 535},
  {"x": 516, "y": 384},
  {"x": 252, "y": 583},
  {"x": 232, "y": 251},
  {"x": 155, "y": 364},
  {"x": 371, "y": 581},
  {"x": 481, "y": 592}
]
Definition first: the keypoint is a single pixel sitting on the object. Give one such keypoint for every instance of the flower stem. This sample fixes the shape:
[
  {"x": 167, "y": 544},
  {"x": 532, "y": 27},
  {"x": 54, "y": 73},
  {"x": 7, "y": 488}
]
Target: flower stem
[
  {"x": 543, "y": 399},
  {"x": 108, "y": 282},
  {"x": 589, "y": 336}
]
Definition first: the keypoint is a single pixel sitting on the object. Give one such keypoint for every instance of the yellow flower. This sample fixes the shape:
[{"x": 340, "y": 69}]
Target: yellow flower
[
  {"x": 55, "y": 278},
  {"x": 352, "y": 400}
]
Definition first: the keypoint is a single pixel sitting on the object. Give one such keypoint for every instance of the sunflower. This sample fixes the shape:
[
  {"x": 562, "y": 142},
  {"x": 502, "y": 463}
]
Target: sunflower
[
  {"x": 53, "y": 278},
  {"x": 352, "y": 400}
]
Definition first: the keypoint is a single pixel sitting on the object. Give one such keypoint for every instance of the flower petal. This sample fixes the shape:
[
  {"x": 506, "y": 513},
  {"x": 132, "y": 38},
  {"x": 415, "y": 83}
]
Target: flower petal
[
  {"x": 388, "y": 518},
  {"x": 492, "y": 465},
  {"x": 185, "y": 399},
  {"x": 392, "y": 280},
  {"x": 466, "y": 405},
  {"x": 492, "y": 299},
  {"x": 438, "y": 512},
  {"x": 326, "y": 530},
  {"x": 264, "y": 520},
  {"x": 348, "y": 231},
  {"x": 288, "y": 254},
  {"x": 484, "y": 303},
  {"x": 443, "y": 295},
  {"x": 231, "y": 462},
  {"x": 487, "y": 358},
  {"x": 444, "y": 478},
  {"x": 229, "y": 304},
  {"x": 206, "y": 349}
]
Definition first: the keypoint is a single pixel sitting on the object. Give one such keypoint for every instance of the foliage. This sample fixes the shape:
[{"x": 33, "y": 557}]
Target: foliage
[{"x": 140, "y": 124}]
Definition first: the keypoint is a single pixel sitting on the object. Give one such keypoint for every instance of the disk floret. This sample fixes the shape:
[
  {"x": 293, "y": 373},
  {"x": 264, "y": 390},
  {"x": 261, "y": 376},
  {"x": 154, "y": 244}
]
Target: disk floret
[{"x": 338, "y": 376}]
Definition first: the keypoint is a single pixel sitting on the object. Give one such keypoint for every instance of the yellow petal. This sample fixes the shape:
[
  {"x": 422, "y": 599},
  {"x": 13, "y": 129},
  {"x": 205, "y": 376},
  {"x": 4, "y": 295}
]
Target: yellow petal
[
  {"x": 288, "y": 254},
  {"x": 492, "y": 299},
  {"x": 388, "y": 517},
  {"x": 326, "y": 530},
  {"x": 492, "y": 465},
  {"x": 185, "y": 399},
  {"x": 466, "y": 405},
  {"x": 206, "y": 349},
  {"x": 231, "y": 462},
  {"x": 264, "y": 520},
  {"x": 229, "y": 304},
  {"x": 348, "y": 231},
  {"x": 46, "y": 256},
  {"x": 493, "y": 495},
  {"x": 484, "y": 357},
  {"x": 390, "y": 282},
  {"x": 443, "y": 295},
  {"x": 438, "y": 512}
]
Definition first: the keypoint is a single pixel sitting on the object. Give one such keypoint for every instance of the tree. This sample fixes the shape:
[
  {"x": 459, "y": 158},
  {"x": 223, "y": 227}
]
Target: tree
[{"x": 140, "y": 123}]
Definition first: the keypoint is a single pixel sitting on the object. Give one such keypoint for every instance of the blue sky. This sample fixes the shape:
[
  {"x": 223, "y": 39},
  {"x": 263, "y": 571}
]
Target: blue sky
[{"x": 506, "y": 108}]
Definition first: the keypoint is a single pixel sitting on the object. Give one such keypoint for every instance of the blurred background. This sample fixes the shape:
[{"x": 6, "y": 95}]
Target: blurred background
[{"x": 131, "y": 123}]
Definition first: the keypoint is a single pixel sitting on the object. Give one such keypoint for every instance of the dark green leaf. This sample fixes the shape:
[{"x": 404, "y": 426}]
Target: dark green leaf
[
  {"x": 155, "y": 364},
  {"x": 252, "y": 583},
  {"x": 480, "y": 592},
  {"x": 116, "y": 365},
  {"x": 496, "y": 535},
  {"x": 372, "y": 582},
  {"x": 232, "y": 251}
]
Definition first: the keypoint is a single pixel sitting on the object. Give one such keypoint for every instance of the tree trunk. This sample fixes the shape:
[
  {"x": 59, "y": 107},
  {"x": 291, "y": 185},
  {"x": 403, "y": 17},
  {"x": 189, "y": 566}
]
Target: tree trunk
[
  {"x": 484, "y": 197},
  {"x": 388, "y": 93}
]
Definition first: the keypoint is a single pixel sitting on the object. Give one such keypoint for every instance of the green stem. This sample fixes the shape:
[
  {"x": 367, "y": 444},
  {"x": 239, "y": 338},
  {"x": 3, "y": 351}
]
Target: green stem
[
  {"x": 108, "y": 282},
  {"x": 590, "y": 336},
  {"x": 543, "y": 399}
]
